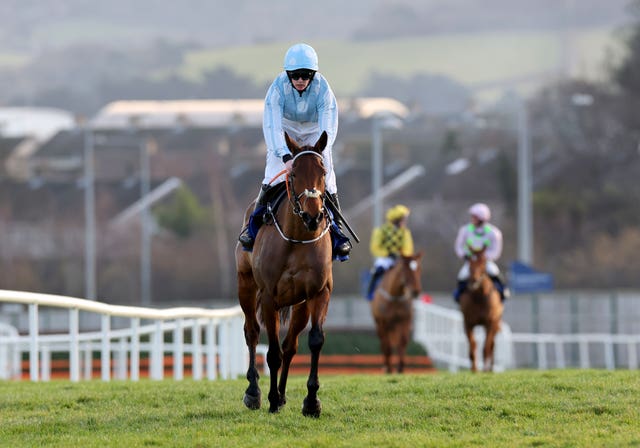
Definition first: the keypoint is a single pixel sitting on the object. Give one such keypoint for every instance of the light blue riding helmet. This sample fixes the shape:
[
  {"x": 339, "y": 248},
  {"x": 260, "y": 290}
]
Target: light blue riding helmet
[{"x": 301, "y": 56}]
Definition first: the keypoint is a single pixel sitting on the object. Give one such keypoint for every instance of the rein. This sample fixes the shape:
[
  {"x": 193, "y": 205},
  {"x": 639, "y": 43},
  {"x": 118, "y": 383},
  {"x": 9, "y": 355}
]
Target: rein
[
  {"x": 401, "y": 298},
  {"x": 391, "y": 298},
  {"x": 294, "y": 200}
]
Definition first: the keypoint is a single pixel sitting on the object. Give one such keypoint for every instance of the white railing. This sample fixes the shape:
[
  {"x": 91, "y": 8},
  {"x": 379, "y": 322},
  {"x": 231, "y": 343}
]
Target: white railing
[
  {"x": 10, "y": 366},
  {"x": 221, "y": 353},
  {"x": 591, "y": 350},
  {"x": 440, "y": 331}
]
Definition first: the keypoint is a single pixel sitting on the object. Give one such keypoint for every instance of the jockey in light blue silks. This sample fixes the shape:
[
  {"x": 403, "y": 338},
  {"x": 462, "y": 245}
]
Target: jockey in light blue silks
[
  {"x": 301, "y": 103},
  {"x": 476, "y": 234}
]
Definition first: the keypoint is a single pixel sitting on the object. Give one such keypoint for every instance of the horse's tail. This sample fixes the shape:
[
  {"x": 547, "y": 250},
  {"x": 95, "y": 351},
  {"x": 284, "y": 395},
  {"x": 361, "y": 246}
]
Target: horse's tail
[{"x": 285, "y": 314}]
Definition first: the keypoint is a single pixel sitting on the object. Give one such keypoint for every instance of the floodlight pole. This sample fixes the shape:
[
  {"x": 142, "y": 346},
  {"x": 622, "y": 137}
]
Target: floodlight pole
[
  {"x": 89, "y": 214},
  {"x": 525, "y": 205},
  {"x": 376, "y": 170},
  {"x": 145, "y": 217}
]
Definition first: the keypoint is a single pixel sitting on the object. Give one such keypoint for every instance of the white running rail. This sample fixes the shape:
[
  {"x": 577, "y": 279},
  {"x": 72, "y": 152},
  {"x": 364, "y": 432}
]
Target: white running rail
[
  {"x": 10, "y": 366},
  {"x": 221, "y": 353},
  {"x": 440, "y": 331}
]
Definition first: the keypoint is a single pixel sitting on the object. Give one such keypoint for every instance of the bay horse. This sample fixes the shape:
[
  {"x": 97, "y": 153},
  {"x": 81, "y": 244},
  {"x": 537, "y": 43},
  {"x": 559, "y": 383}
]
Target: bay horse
[
  {"x": 289, "y": 274},
  {"x": 392, "y": 308},
  {"x": 481, "y": 305}
]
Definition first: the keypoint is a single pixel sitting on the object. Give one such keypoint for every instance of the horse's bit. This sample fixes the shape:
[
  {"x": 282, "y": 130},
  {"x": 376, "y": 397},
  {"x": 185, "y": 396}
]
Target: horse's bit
[{"x": 413, "y": 265}]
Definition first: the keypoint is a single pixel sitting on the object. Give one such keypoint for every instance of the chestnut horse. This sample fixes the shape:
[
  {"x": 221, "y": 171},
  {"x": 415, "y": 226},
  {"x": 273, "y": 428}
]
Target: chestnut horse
[
  {"x": 481, "y": 305},
  {"x": 392, "y": 308},
  {"x": 289, "y": 274}
]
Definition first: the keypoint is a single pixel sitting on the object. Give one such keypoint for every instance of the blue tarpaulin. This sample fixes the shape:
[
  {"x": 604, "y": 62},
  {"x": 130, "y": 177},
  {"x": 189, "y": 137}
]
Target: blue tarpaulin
[{"x": 524, "y": 279}]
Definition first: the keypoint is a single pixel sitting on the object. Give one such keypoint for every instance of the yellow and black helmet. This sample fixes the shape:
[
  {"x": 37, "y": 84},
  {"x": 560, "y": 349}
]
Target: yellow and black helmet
[{"x": 397, "y": 212}]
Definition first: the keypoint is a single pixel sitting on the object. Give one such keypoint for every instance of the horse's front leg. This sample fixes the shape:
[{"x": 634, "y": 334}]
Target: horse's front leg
[
  {"x": 271, "y": 321},
  {"x": 247, "y": 297},
  {"x": 402, "y": 346},
  {"x": 311, "y": 406},
  {"x": 299, "y": 319},
  {"x": 385, "y": 344},
  {"x": 489, "y": 346},
  {"x": 472, "y": 347}
]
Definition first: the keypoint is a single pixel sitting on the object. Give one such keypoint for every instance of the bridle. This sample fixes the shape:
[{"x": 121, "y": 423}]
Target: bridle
[
  {"x": 298, "y": 200},
  {"x": 413, "y": 265},
  {"x": 477, "y": 283}
]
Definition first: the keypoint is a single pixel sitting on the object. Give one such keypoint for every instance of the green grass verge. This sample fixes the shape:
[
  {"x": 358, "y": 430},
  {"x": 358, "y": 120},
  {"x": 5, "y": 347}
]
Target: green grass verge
[{"x": 569, "y": 408}]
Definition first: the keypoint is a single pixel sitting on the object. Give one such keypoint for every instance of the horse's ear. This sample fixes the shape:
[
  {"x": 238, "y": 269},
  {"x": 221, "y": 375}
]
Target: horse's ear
[
  {"x": 292, "y": 145},
  {"x": 321, "y": 143}
]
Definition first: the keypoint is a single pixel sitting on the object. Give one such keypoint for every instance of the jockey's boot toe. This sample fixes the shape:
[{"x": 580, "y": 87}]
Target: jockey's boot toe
[
  {"x": 344, "y": 249},
  {"x": 245, "y": 239}
]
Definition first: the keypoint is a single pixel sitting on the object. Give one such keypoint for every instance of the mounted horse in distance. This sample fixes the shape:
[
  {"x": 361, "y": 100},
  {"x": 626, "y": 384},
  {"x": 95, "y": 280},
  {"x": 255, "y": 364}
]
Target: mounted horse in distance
[
  {"x": 479, "y": 243},
  {"x": 481, "y": 304},
  {"x": 392, "y": 308},
  {"x": 398, "y": 270},
  {"x": 289, "y": 273}
]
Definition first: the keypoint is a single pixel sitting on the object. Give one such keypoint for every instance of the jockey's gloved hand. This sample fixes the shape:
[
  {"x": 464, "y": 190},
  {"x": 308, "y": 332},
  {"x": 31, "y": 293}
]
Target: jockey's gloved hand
[{"x": 288, "y": 162}]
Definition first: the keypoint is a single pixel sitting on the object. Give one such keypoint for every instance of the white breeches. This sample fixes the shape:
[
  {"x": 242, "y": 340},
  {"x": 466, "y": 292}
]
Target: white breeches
[
  {"x": 492, "y": 270},
  {"x": 383, "y": 262},
  {"x": 303, "y": 134}
]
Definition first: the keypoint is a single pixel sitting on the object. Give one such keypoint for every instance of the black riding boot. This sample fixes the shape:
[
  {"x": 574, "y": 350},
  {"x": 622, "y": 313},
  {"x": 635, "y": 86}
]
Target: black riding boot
[
  {"x": 245, "y": 237},
  {"x": 375, "y": 275},
  {"x": 462, "y": 285},
  {"x": 505, "y": 293},
  {"x": 344, "y": 248}
]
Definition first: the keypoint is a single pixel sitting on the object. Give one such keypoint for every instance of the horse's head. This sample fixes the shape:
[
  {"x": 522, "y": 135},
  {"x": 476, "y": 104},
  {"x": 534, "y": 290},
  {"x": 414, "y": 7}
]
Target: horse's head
[
  {"x": 307, "y": 181},
  {"x": 411, "y": 268},
  {"x": 477, "y": 266}
]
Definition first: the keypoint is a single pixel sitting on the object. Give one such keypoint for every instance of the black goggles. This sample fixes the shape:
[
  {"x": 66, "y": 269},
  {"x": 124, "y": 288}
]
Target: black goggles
[{"x": 301, "y": 74}]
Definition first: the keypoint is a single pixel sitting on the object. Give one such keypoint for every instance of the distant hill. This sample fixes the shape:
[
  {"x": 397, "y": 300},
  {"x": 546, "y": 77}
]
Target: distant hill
[
  {"x": 34, "y": 25},
  {"x": 79, "y": 55},
  {"x": 483, "y": 61}
]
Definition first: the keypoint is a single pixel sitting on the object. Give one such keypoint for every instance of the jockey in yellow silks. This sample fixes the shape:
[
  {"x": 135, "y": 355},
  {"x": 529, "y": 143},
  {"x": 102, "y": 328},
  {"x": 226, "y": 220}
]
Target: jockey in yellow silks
[{"x": 390, "y": 240}]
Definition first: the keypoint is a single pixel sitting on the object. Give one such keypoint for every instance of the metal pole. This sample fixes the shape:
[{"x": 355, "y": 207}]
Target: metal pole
[
  {"x": 525, "y": 233},
  {"x": 376, "y": 170},
  {"x": 89, "y": 215},
  {"x": 145, "y": 216}
]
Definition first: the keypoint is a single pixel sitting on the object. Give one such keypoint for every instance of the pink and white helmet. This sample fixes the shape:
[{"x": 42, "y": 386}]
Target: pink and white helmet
[{"x": 480, "y": 211}]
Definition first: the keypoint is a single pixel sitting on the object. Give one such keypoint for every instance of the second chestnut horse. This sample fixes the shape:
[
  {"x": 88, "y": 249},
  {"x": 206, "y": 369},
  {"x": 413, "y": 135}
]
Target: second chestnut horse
[{"x": 392, "y": 308}]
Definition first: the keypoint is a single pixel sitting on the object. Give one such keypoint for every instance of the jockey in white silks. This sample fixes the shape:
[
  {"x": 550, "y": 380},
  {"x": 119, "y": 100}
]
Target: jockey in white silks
[
  {"x": 301, "y": 103},
  {"x": 476, "y": 234}
]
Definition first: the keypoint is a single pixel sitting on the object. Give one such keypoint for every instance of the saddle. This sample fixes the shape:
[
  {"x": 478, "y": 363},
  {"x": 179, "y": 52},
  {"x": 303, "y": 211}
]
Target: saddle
[{"x": 263, "y": 214}]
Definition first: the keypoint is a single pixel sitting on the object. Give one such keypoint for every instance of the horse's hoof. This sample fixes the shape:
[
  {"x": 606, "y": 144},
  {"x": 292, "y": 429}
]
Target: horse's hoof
[
  {"x": 282, "y": 402},
  {"x": 312, "y": 410},
  {"x": 252, "y": 402},
  {"x": 274, "y": 409}
]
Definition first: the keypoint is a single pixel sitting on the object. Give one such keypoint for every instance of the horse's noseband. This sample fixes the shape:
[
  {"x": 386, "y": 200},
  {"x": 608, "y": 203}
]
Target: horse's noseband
[{"x": 310, "y": 222}]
